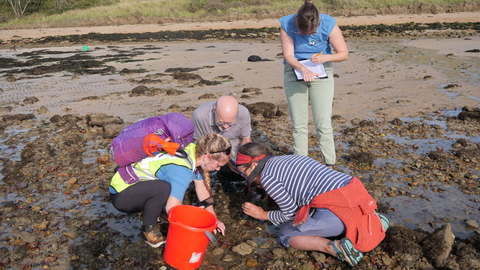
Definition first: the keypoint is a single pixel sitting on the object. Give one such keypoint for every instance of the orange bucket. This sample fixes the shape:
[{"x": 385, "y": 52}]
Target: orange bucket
[{"x": 188, "y": 236}]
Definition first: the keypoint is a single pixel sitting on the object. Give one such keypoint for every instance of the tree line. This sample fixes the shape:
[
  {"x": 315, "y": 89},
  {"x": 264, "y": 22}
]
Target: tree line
[{"x": 19, "y": 8}]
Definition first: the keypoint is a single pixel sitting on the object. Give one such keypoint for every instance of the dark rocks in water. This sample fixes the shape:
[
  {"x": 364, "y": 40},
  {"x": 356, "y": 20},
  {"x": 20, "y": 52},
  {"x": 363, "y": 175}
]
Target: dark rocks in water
[
  {"x": 350, "y": 130},
  {"x": 438, "y": 245},
  {"x": 396, "y": 122},
  {"x": 469, "y": 113},
  {"x": 64, "y": 119},
  {"x": 405, "y": 243},
  {"x": 36, "y": 151},
  {"x": 17, "y": 117},
  {"x": 468, "y": 152},
  {"x": 365, "y": 123},
  {"x": 473, "y": 50},
  {"x": 361, "y": 157},
  {"x": 74, "y": 139},
  {"x": 439, "y": 156}
]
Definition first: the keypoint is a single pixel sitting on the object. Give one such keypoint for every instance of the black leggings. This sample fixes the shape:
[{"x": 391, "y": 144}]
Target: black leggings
[{"x": 149, "y": 197}]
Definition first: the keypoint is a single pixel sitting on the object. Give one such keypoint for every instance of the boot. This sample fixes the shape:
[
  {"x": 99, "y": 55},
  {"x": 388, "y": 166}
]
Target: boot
[{"x": 152, "y": 236}]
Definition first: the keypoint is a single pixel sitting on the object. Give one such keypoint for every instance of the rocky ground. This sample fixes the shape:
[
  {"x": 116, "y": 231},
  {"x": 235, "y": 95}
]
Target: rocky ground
[{"x": 56, "y": 213}]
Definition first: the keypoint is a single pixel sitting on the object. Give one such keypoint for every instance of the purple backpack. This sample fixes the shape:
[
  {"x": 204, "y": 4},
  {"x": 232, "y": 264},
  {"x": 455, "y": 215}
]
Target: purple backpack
[{"x": 127, "y": 147}]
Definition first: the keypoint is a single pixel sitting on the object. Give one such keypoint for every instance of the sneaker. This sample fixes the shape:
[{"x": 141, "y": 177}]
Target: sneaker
[
  {"x": 152, "y": 236},
  {"x": 385, "y": 221},
  {"x": 346, "y": 252}
]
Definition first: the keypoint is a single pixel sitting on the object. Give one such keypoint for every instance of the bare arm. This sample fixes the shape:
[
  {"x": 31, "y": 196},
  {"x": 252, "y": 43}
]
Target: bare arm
[
  {"x": 202, "y": 194},
  {"x": 339, "y": 45},
  {"x": 171, "y": 202},
  {"x": 288, "y": 49}
]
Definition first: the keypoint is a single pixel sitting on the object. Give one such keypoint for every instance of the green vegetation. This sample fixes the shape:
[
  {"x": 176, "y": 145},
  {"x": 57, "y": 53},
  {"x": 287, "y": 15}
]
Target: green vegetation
[{"x": 70, "y": 13}]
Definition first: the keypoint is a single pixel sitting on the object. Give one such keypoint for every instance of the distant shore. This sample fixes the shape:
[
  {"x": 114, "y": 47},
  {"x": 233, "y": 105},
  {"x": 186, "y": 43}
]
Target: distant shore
[{"x": 460, "y": 17}]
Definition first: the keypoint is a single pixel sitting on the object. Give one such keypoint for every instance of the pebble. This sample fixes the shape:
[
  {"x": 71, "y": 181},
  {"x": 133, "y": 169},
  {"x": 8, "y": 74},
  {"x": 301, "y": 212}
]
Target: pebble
[{"x": 243, "y": 249}]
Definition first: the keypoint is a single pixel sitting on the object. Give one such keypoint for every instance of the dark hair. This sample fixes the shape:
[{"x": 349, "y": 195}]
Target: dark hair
[
  {"x": 254, "y": 149},
  {"x": 308, "y": 18}
]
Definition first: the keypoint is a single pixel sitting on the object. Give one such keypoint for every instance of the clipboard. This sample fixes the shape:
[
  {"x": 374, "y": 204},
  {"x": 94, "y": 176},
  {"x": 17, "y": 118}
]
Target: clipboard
[{"x": 317, "y": 68}]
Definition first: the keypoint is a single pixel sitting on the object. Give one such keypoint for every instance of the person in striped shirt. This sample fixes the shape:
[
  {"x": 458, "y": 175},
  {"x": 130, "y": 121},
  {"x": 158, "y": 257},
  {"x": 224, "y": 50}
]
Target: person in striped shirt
[{"x": 316, "y": 203}]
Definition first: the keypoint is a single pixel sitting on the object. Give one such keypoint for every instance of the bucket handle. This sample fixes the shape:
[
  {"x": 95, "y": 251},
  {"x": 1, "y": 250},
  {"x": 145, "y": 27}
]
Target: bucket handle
[{"x": 211, "y": 237}]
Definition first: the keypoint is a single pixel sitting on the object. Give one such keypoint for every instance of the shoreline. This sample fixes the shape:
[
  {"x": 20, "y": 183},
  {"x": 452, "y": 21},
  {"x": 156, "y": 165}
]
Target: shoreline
[{"x": 460, "y": 17}]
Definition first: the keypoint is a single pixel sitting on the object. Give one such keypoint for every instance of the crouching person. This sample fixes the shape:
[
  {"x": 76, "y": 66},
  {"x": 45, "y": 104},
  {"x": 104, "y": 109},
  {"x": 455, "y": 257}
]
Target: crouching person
[
  {"x": 159, "y": 183},
  {"x": 316, "y": 204}
]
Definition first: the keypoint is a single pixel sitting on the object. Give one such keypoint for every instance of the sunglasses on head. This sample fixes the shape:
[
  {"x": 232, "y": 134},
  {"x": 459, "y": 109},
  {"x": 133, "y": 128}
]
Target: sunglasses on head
[{"x": 227, "y": 151}]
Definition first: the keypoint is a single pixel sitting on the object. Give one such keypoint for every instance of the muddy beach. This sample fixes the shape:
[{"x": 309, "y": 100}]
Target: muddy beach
[{"x": 406, "y": 120}]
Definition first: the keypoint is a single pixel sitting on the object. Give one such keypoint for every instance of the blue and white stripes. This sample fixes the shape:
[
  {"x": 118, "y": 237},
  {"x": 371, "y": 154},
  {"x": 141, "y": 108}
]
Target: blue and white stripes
[{"x": 293, "y": 181}]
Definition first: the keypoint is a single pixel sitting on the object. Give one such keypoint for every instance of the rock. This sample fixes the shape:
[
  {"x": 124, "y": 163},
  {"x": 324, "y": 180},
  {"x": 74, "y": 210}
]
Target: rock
[
  {"x": 71, "y": 234},
  {"x": 36, "y": 151},
  {"x": 437, "y": 247},
  {"x": 319, "y": 256},
  {"x": 218, "y": 251},
  {"x": 112, "y": 131},
  {"x": 42, "y": 225},
  {"x": 42, "y": 110},
  {"x": 243, "y": 249},
  {"x": 268, "y": 110},
  {"x": 30, "y": 100},
  {"x": 228, "y": 258},
  {"x": 471, "y": 224},
  {"x": 439, "y": 156},
  {"x": 101, "y": 120},
  {"x": 254, "y": 58},
  {"x": 207, "y": 96},
  {"x": 279, "y": 252}
]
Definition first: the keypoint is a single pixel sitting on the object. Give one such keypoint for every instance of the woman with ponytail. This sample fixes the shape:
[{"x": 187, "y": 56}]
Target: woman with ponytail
[
  {"x": 309, "y": 35},
  {"x": 319, "y": 208},
  {"x": 159, "y": 183}
]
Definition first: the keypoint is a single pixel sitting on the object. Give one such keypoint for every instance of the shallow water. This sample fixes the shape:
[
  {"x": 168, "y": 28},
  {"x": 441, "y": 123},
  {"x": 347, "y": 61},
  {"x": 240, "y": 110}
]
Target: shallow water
[{"x": 62, "y": 94}]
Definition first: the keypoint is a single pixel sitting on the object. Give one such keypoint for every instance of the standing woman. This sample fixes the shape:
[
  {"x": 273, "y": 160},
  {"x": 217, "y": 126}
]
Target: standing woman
[
  {"x": 315, "y": 203},
  {"x": 311, "y": 35},
  {"x": 159, "y": 183}
]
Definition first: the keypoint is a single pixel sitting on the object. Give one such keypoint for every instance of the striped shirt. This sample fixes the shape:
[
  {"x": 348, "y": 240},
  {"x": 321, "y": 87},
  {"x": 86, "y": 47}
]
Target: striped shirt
[{"x": 292, "y": 181}]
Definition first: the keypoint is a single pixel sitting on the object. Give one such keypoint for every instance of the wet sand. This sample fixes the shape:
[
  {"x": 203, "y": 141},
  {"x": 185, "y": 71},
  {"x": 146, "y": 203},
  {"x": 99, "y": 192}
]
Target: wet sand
[{"x": 381, "y": 79}]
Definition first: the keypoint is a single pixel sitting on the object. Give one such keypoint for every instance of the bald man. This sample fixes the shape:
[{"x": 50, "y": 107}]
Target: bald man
[{"x": 229, "y": 119}]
